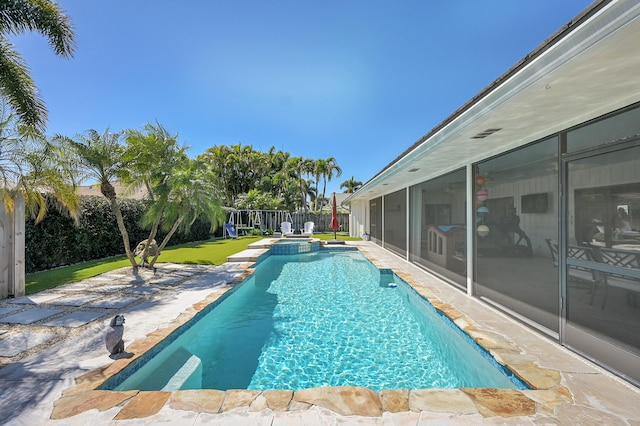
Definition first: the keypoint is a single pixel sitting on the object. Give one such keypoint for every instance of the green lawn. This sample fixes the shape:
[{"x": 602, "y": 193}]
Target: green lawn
[{"x": 202, "y": 253}]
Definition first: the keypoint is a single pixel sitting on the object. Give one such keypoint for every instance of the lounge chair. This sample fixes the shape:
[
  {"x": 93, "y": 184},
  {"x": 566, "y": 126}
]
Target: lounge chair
[
  {"x": 286, "y": 229},
  {"x": 308, "y": 229},
  {"x": 231, "y": 230}
]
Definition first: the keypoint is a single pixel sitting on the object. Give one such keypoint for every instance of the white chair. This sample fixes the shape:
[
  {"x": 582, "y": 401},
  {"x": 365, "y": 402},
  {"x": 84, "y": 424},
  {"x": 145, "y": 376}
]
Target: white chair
[
  {"x": 286, "y": 229},
  {"x": 308, "y": 229}
]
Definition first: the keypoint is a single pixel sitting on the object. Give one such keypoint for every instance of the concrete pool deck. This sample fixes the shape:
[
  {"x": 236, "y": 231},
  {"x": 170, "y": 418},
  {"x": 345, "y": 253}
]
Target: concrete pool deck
[{"x": 53, "y": 357}]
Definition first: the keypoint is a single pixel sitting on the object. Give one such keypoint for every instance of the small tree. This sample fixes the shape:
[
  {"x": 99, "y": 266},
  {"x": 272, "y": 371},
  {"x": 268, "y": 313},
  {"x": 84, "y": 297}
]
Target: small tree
[
  {"x": 193, "y": 192},
  {"x": 330, "y": 167},
  {"x": 351, "y": 185},
  {"x": 100, "y": 157},
  {"x": 30, "y": 167},
  {"x": 152, "y": 158}
]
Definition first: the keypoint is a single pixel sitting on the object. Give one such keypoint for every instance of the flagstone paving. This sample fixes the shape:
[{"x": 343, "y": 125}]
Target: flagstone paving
[
  {"x": 52, "y": 360},
  {"x": 6, "y": 310},
  {"x": 74, "y": 319},
  {"x": 35, "y": 320},
  {"x": 30, "y": 316},
  {"x": 17, "y": 343}
]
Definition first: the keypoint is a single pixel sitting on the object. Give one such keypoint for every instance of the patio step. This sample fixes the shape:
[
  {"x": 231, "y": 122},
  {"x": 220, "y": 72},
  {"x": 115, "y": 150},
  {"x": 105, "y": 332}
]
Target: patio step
[{"x": 248, "y": 255}]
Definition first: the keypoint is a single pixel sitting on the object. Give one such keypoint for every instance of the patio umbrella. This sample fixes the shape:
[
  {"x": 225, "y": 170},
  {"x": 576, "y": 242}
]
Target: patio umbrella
[{"x": 334, "y": 225}]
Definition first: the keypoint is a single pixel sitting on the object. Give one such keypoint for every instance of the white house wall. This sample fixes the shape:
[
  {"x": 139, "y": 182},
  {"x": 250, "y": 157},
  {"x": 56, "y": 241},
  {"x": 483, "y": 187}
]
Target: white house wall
[{"x": 358, "y": 218}]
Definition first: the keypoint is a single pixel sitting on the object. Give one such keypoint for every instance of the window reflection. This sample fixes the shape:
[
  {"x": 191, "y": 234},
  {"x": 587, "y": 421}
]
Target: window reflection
[
  {"x": 438, "y": 225},
  {"x": 604, "y": 224},
  {"x": 612, "y": 128},
  {"x": 395, "y": 222},
  {"x": 375, "y": 220},
  {"x": 608, "y": 216},
  {"x": 517, "y": 231}
]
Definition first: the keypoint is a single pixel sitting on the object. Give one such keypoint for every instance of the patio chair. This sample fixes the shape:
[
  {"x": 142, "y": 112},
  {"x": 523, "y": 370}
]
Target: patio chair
[
  {"x": 308, "y": 229},
  {"x": 286, "y": 229},
  {"x": 578, "y": 274}
]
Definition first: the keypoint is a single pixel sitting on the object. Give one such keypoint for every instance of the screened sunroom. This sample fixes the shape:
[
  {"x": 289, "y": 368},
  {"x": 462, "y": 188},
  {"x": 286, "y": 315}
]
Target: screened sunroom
[{"x": 528, "y": 196}]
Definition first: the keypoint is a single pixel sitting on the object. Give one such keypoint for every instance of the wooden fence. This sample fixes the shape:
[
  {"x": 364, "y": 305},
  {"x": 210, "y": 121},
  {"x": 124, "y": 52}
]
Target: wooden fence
[{"x": 321, "y": 221}]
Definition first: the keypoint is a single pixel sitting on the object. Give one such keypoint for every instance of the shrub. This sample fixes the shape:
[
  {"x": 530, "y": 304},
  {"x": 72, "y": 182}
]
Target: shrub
[{"x": 56, "y": 241}]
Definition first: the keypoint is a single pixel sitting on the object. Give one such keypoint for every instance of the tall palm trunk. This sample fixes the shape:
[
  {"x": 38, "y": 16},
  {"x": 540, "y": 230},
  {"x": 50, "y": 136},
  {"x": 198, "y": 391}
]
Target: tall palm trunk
[
  {"x": 152, "y": 236},
  {"x": 172, "y": 231},
  {"x": 109, "y": 192},
  {"x": 324, "y": 190}
]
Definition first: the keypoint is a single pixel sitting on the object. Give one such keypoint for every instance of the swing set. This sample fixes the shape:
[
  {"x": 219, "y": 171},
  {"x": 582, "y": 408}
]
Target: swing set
[{"x": 246, "y": 221}]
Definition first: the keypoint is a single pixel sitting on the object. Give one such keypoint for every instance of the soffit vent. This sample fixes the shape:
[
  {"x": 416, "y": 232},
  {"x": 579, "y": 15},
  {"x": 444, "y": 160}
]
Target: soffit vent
[{"x": 485, "y": 133}]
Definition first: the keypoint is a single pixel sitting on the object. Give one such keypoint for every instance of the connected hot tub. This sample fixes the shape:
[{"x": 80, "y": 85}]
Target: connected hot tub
[{"x": 287, "y": 246}]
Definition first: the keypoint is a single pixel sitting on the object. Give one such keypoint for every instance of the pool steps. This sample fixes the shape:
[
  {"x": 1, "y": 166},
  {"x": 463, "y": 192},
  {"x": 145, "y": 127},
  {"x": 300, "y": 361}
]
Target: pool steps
[{"x": 181, "y": 368}]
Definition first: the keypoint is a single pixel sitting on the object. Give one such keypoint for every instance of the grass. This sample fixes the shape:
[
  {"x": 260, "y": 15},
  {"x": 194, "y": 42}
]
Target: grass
[{"x": 213, "y": 252}]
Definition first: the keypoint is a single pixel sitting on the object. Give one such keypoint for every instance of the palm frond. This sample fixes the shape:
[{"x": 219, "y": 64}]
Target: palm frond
[
  {"x": 19, "y": 88},
  {"x": 43, "y": 16}
]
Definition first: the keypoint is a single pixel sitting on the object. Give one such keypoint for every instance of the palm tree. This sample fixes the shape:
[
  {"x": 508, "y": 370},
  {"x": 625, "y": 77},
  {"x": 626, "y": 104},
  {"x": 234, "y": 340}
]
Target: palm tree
[
  {"x": 352, "y": 185},
  {"x": 298, "y": 168},
  {"x": 152, "y": 156},
  {"x": 193, "y": 193},
  {"x": 239, "y": 169},
  {"x": 330, "y": 166},
  {"x": 318, "y": 169},
  {"x": 16, "y": 84},
  {"x": 277, "y": 178},
  {"x": 100, "y": 157},
  {"x": 312, "y": 192},
  {"x": 31, "y": 167}
]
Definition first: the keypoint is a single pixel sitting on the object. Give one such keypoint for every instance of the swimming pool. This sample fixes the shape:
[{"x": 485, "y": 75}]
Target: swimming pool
[{"x": 327, "y": 318}]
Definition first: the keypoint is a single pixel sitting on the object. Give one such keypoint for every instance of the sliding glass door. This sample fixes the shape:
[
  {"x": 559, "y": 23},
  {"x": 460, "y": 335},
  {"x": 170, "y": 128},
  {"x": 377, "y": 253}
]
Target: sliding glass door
[{"x": 601, "y": 248}]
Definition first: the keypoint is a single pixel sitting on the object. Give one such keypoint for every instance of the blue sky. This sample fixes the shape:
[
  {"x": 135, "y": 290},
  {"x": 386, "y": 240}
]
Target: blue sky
[{"x": 359, "y": 80}]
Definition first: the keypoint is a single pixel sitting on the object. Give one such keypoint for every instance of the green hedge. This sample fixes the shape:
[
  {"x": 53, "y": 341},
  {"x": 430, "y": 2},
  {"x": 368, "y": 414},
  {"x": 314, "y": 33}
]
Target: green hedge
[{"x": 56, "y": 241}]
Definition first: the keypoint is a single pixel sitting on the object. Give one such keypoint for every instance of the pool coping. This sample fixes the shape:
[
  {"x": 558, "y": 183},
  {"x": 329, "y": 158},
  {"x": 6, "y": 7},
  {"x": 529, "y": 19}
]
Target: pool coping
[{"x": 547, "y": 390}]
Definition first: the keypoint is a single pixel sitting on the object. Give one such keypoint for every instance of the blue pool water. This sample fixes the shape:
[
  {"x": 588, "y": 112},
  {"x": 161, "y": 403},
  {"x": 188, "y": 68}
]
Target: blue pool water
[{"x": 326, "y": 318}]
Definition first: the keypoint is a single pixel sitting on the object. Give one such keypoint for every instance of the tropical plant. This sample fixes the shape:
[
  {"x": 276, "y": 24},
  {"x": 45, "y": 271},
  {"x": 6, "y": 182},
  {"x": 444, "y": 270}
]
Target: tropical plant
[
  {"x": 325, "y": 168},
  {"x": 241, "y": 169},
  {"x": 193, "y": 193},
  {"x": 99, "y": 157},
  {"x": 238, "y": 168},
  {"x": 16, "y": 84},
  {"x": 152, "y": 157},
  {"x": 298, "y": 169},
  {"x": 288, "y": 189},
  {"x": 31, "y": 167},
  {"x": 257, "y": 200},
  {"x": 351, "y": 185}
]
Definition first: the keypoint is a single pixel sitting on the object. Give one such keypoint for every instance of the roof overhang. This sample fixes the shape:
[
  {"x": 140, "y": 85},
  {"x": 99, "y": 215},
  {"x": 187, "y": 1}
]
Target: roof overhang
[{"x": 587, "y": 69}]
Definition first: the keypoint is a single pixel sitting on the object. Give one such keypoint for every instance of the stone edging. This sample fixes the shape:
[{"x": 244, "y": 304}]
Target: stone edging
[{"x": 347, "y": 400}]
